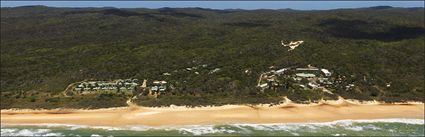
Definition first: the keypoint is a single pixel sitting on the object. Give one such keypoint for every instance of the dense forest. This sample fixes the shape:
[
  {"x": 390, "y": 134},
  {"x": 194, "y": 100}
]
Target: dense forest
[{"x": 43, "y": 49}]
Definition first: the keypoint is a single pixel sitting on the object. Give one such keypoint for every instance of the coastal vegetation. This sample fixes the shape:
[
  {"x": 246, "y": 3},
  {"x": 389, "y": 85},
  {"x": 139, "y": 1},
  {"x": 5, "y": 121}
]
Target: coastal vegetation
[{"x": 44, "y": 49}]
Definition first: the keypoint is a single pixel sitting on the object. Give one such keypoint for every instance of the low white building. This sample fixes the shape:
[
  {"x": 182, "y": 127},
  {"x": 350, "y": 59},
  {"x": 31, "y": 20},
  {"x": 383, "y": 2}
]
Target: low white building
[
  {"x": 312, "y": 85},
  {"x": 305, "y": 75},
  {"x": 326, "y": 72},
  {"x": 280, "y": 71}
]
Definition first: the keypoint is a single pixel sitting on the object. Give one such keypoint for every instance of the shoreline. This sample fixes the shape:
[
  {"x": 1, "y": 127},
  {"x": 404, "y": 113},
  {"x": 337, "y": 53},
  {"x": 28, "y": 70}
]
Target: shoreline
[
  {"x": 285, "y": 102},
  {"x": 287, "y": 112}
]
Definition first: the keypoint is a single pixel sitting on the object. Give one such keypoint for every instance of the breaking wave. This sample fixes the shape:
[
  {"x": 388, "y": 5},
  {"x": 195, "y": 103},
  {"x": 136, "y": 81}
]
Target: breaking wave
[
  {"x": 293, "y": 129},
  {"x": 28, "y": 132}
]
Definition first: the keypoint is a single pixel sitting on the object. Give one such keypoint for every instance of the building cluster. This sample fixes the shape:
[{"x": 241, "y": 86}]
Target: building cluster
[
  {"x": 126, "y": 85},
  {"x": 307, "y": 78},
  {"x": 154, "y": 88},
  {"x": 159, "y": 86}
]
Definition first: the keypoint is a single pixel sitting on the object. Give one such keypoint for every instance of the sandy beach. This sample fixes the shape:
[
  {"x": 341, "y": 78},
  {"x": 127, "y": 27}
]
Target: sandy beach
[{"x": 288, "y": 112}]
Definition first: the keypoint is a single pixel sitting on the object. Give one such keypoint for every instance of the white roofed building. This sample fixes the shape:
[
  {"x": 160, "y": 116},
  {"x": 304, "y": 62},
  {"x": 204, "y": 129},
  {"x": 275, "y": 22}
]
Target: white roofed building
[{"x": 326, "y": 72}]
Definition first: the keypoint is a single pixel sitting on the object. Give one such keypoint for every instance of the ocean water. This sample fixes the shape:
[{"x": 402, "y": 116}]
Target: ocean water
[{"x": 378, "y": 127}]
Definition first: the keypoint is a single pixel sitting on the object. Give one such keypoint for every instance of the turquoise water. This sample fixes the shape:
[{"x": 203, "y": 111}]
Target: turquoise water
[{"x": 381, "y": 127}]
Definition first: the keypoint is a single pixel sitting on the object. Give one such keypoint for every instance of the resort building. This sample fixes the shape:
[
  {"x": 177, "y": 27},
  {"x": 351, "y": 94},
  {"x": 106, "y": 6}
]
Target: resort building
[
  {"x": 127, "y": 85},
  {"x": 309, "y": 77},
  {"x": 159, "y": 86}
]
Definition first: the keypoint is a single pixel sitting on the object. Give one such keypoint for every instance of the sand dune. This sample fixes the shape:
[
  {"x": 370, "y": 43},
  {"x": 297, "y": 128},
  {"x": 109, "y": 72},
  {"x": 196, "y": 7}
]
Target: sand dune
[{"x": 287, "y": 112}]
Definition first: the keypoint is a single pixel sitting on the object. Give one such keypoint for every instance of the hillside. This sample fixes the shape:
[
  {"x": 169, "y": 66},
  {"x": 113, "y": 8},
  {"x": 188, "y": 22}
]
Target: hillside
[{"x": 43, "y": 49}]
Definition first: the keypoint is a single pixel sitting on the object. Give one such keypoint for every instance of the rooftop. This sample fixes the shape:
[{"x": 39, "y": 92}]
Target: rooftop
[{"x": 305, "y": 75}]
